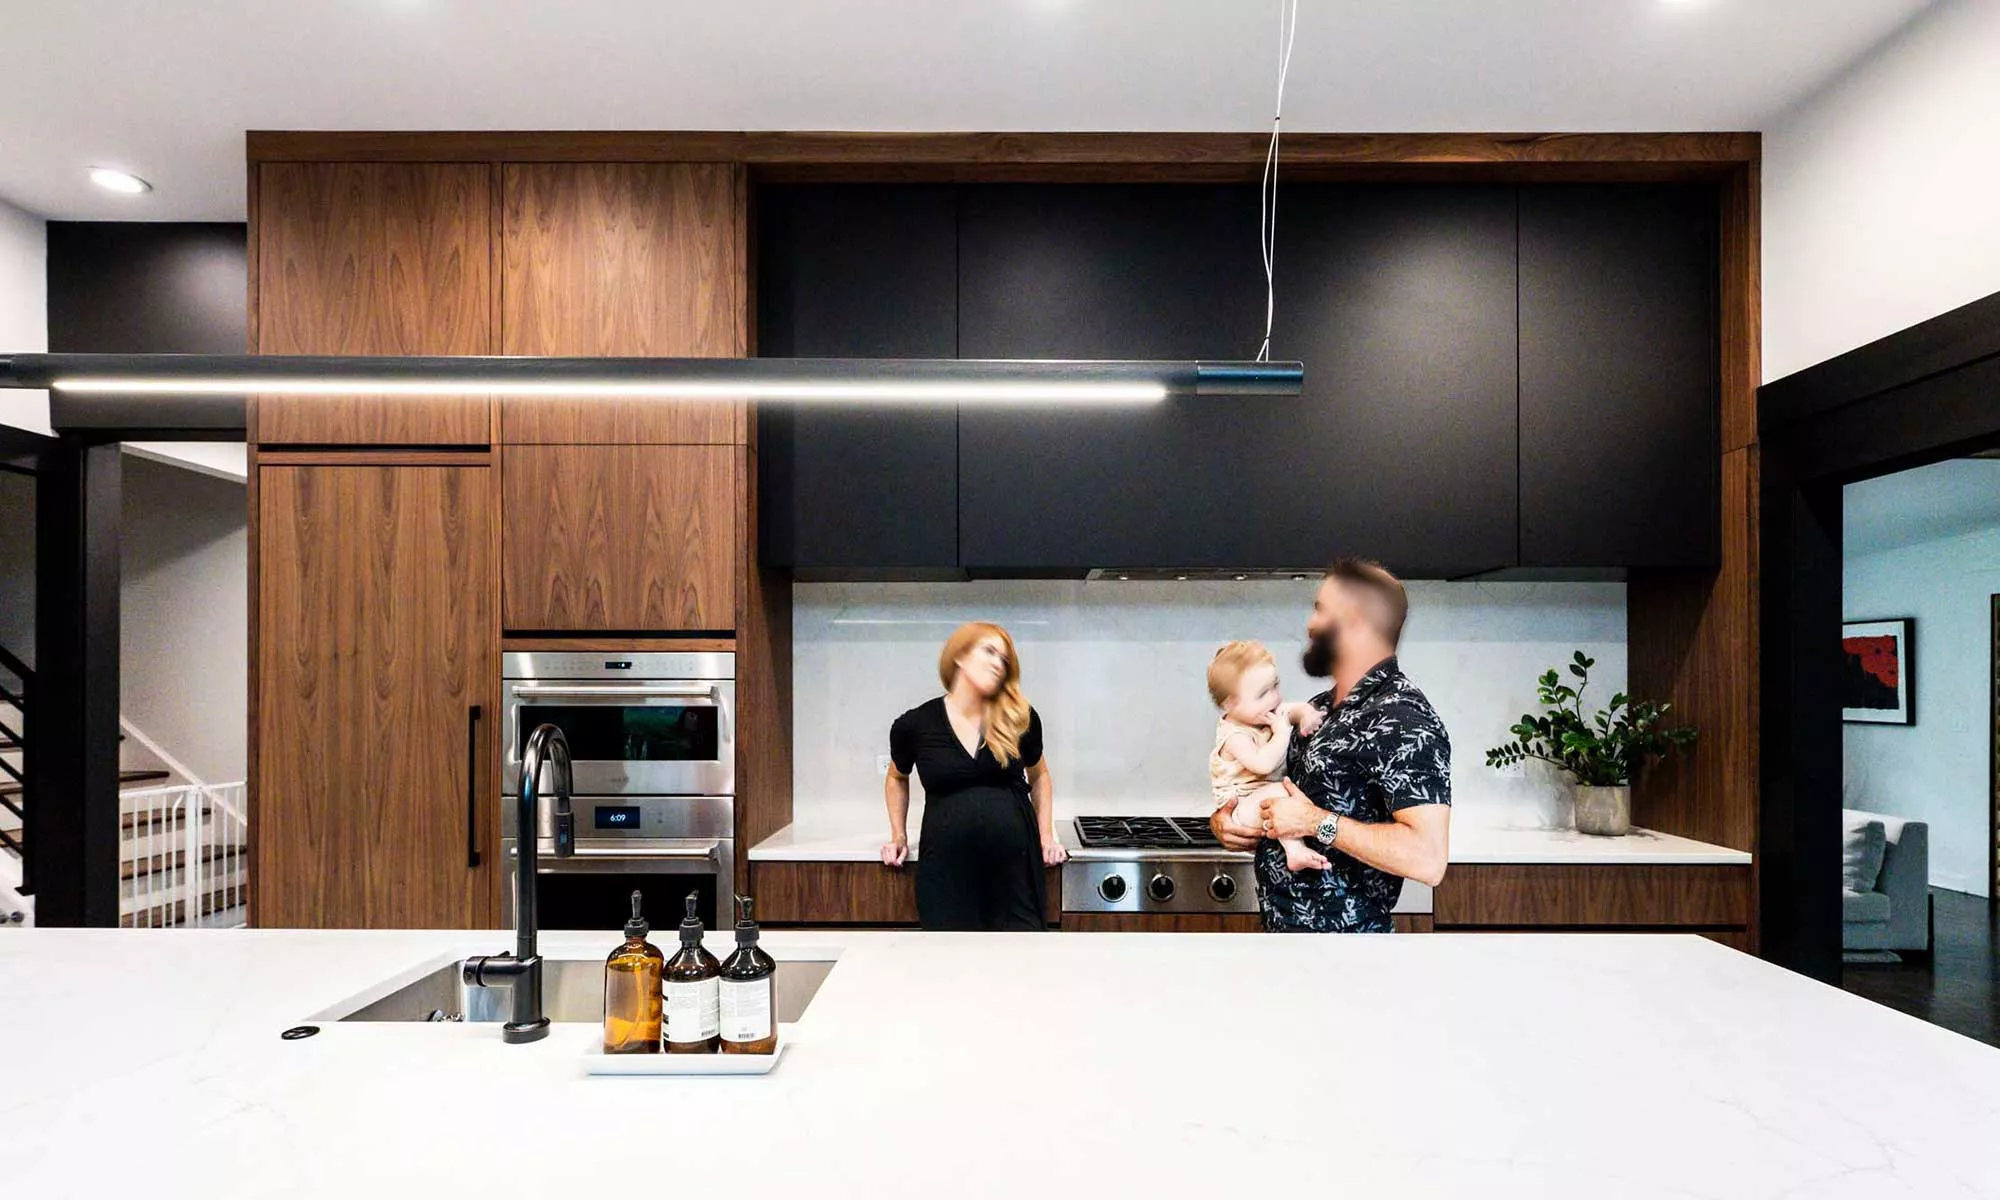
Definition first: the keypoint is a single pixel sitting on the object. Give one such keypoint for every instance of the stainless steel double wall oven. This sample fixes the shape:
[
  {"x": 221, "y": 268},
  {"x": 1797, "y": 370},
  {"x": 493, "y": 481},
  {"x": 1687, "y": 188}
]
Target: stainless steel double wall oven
[{"x": 652, "y": 739}]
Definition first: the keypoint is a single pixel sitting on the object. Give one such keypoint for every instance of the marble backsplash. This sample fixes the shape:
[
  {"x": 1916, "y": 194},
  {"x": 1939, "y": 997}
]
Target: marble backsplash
[{"x": 1116, "y": 671}]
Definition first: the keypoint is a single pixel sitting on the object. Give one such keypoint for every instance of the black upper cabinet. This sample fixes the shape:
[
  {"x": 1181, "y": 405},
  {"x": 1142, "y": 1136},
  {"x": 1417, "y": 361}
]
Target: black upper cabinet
[
  {"x": 1620, "y": 383},
  {"x": 858, "y": 271},
  {"x": 1399, "y": 300}
]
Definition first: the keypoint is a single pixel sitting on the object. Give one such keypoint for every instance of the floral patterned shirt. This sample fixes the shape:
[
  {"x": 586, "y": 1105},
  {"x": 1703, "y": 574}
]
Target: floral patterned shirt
[{"x": 1380, "y": 750}]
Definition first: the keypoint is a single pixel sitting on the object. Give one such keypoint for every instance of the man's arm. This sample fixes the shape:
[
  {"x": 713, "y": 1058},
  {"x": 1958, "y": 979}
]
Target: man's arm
[{"x": 1414, "y": 843}]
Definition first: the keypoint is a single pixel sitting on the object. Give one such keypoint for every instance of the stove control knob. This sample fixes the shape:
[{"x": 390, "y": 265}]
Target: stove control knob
[
  {"x": 1222, "y": 888},
  {"x": 1112, "y": 888},
  {"x": 1160, "y": 888}
]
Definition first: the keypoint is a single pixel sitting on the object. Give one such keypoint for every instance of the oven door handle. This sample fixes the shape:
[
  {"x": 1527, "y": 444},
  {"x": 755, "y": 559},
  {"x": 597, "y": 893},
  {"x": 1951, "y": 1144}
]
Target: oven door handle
[
  {"x": 601, "y": 859},
  {"x": 553, "y": 691}
]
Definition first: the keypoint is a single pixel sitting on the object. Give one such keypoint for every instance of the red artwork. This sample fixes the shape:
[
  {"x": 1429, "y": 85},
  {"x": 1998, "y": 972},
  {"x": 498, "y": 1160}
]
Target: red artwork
[{"x": 1877, "y": 656}]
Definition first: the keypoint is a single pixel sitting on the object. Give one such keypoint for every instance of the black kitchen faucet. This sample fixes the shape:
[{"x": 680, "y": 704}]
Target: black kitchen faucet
[{"x": 521, "y": 971}]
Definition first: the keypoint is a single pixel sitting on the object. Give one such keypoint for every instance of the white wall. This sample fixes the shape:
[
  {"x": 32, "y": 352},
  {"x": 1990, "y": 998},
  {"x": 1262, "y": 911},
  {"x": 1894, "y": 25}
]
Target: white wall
[
  {"x": 1117, "y": 671},
  {"x": 1879, "y": 192},
  {"x": 24, "y": 308},
  {"x": 1935, "y": 770},
  {"x": 183, "y": 648}
]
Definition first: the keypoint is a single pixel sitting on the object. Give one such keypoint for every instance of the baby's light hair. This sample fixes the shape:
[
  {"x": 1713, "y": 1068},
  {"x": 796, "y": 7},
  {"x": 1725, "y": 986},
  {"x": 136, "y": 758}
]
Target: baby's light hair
[{"x": 1228, "y": 665}]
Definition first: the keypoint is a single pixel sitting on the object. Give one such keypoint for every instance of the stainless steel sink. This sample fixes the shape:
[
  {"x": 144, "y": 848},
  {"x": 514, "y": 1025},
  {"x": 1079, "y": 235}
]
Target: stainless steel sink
[{"x": 572, "y": 990}]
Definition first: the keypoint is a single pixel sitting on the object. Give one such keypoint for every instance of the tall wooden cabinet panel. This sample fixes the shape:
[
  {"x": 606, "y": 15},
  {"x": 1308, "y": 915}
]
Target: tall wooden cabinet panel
[
  {"x": 628, "y": 538},
  {"x": 374, "y": 258},
  {"x": 376, "y": 641},
  {"x": 1620, "y": 376},
  {"x": 622, "y": 259}
]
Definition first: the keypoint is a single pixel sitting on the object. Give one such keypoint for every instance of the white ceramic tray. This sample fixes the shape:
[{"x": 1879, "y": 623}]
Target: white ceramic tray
[{"x": 597, "y": 1062}]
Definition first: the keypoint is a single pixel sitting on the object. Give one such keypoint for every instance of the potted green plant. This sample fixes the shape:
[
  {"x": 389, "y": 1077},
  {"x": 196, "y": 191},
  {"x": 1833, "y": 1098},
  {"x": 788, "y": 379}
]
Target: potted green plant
[{"x": 1601, "y": 752}]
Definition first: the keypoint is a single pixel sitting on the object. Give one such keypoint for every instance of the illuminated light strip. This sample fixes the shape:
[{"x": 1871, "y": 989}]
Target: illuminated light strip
[{"x": 941, "y": 391}]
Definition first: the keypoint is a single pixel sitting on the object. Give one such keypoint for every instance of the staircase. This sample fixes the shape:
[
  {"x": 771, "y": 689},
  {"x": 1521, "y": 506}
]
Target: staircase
[
  {"x": 16, "y": 678},
  {"x": 182, "y": 855}
]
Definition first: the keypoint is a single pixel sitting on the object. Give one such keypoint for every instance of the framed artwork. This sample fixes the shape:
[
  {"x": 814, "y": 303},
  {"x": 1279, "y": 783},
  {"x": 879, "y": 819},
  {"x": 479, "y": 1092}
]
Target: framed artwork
[{"x": 1878, "y": 682}]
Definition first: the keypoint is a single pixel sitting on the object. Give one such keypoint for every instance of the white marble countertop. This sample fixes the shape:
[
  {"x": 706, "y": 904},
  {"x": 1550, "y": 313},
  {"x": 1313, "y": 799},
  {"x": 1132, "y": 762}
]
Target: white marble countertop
[
  {"x": 1567, "y": 1065},
  {"x": 853, "y": 838}
]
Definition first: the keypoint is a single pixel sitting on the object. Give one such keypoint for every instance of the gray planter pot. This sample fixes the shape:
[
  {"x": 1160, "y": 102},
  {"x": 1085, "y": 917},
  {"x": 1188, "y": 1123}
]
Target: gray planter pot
[{"x": 1604, "y": 811}]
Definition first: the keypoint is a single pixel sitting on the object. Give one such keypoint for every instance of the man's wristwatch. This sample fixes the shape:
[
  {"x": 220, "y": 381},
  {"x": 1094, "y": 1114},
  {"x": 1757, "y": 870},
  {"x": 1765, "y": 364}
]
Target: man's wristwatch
[{"x": 1329, "y": 829}]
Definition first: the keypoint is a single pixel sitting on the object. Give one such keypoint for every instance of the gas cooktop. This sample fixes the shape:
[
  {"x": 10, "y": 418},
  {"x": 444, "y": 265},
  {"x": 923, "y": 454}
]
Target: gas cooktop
[
  {"x": 1145, "y": 833},
  {"x": 1156, "y": 865}
]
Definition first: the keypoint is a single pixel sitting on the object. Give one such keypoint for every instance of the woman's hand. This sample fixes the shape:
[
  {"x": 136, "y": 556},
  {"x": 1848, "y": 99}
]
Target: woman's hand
[
  {"x": 1227, "y": 833},
  {"x": 1053, "y": 854},
  {"x": 896, "y": 852}
]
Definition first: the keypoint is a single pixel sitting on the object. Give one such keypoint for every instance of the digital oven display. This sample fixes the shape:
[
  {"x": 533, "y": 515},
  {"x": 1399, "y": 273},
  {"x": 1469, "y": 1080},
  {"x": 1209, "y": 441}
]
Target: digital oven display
[{"x": 622, "y": 816}]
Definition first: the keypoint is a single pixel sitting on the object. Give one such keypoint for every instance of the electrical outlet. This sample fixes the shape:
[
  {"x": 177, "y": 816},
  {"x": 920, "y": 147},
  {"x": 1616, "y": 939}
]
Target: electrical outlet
[{"x": 882, "y": 764}]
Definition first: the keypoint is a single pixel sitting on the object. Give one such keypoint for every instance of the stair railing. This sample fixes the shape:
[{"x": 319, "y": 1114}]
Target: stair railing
[
  {"x": 184, "y": 859},
  {"x": 16, "y": 804}
]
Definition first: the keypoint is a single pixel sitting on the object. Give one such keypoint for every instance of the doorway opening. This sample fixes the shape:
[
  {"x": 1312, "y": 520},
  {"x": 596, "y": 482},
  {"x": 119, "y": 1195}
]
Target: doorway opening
[{"x": 1920, "y": 567}]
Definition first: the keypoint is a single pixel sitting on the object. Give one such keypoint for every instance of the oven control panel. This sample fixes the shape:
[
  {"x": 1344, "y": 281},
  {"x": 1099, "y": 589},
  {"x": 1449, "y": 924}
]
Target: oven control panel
[{"x": 598, "y": 818}]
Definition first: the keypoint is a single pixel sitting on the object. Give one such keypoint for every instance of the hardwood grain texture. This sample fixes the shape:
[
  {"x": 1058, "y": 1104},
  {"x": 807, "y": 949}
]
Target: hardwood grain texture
[
  {"x": 1236, "y": 152},
  {"x": 763, "y": 682},
  {"x": 834, "y": 893},
  {"x": 253, "y": 595},
  {"x": 1693, "y": 641},
  {"x": 1162, "y": 923},
  {"x": 621, "y": 537},
  {"x": 375, "y": 457},
  {"x": 622, "y": 258},
  {"x": 250, "y": 280},
  {"x": 375, "y": 615},
  {"x": 1413, "y": 922},
  {"x": 1741, "y": 304},
  {"x": 852, "y": 893},
  {"x": 623, "y": 645},
  {"x": 1735, "y": 939},
  {"x": 373, "y": 258},
  {"x": 1590, "y": 896}
]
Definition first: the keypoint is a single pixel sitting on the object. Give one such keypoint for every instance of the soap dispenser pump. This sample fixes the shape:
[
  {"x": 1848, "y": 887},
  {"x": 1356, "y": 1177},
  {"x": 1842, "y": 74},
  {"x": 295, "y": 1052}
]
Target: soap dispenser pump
[
  {"x": 749, "y": 1024},
  {"x": 693, "y": 998},
  {"x": 632, "y": 977}
]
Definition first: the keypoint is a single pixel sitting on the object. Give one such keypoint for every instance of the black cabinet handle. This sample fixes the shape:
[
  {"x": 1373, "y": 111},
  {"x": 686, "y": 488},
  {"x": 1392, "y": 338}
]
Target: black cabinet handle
[{"x": 472, "y": 786}]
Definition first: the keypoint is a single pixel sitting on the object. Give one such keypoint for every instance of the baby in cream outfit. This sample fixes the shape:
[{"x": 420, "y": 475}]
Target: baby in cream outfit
[{"x": 1251, "y": 738}]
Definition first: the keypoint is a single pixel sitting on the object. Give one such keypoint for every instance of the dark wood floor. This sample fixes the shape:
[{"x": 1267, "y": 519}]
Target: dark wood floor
[{"x": 1961, "y": 989}]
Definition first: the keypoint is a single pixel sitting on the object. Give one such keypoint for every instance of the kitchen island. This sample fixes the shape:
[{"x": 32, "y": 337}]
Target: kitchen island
[{"x": 999, "y": 1065}]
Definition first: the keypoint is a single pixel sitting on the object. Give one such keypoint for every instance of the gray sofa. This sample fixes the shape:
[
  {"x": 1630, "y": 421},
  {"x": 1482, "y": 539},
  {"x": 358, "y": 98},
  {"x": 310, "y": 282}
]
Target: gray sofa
[{"x": 1893, "y": 910}]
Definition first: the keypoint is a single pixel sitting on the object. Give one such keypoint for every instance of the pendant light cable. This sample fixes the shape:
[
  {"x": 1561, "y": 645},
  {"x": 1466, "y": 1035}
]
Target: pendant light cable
[{"x": 1267, "y": 194}]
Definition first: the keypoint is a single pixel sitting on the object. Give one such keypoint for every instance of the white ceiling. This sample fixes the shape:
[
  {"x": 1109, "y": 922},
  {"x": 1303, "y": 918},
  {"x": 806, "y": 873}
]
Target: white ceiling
[
  {"x": 1943, "y": 500},
  {"x": 166, "y": 88}
]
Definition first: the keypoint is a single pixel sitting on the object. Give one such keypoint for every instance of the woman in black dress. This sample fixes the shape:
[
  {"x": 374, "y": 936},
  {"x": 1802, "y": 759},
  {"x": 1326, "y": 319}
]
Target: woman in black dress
[{"x": 987, "y": 829}]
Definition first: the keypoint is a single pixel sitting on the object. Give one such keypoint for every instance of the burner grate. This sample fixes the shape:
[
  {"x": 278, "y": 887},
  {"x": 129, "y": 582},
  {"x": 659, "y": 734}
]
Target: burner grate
[{"x": 1145, "y": 833}]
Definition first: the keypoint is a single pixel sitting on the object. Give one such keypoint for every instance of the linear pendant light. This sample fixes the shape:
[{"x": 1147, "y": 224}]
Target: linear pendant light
[{"x": 798, "y": 380}]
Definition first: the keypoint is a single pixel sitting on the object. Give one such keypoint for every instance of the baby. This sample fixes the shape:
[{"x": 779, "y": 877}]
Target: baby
[{"x": 1251, "y": 739}]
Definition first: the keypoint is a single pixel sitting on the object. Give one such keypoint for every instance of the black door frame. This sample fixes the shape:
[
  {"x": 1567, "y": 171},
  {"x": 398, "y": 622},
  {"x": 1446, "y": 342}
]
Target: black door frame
[
  {"x": 79, "y": 498},
  {"x": 1926, "y": 394}
]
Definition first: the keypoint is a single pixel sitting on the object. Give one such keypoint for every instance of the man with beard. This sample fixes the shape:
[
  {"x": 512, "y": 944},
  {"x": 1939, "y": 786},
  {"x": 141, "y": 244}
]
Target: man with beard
[{"x": 1371, "y": 788}]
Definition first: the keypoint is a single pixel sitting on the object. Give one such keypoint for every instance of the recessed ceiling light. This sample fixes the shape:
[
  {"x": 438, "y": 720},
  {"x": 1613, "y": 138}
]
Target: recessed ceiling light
[{"x": 119, "y": 181}]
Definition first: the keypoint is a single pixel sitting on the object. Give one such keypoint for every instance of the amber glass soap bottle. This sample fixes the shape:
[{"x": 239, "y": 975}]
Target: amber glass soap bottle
[
  {"x": 693, "y": 1000},
  {"x": 749, "y": 1021},
  {"x": 632, "y": 990}
]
